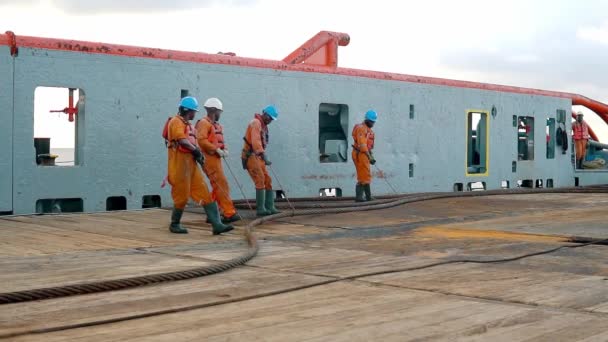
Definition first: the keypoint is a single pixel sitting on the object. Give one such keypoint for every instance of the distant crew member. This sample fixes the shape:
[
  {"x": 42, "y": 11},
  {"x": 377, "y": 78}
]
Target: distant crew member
[
  {"x": 362, "y": 155},
  {"x": 210, "y": 136},
  {"x": 255, "y": 160},
  {"x": 185, "y": 177},
  {"x": 580, "y": 134}
]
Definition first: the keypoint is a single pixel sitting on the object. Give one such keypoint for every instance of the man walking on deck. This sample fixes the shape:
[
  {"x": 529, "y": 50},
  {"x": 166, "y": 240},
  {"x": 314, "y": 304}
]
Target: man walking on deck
[
  {"x": 210, "y": 137},
  {"x": 255, "y": 160},
  {"x": 362, "y": 155},
  {"x": 185, "y": 177},
  {"x": 580, "y": 134}
]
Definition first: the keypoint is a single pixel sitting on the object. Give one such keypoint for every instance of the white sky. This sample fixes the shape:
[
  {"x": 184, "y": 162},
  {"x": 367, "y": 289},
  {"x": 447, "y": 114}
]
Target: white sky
[{"x": 554, "y": 45}]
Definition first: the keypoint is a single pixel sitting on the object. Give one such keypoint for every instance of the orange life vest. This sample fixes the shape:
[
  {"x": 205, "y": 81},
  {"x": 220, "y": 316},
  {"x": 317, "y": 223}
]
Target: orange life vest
[
  {"x": 190, "y": 133},
  {"x": 580, "y": 130},
  {"x": 370, "y": 136},
  {"x": 217, "y": 134}
]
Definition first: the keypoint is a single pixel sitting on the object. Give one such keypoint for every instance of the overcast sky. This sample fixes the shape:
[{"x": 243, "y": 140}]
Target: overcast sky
[{"x": 555, "y": 45}]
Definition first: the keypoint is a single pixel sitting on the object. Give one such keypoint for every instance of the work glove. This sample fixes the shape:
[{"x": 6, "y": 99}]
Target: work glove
[
  {"x": 198, "y": 156},
  {"x": 372, "y": 160},
  {"x": 222, "y": 153},
  {"x": 266, "y": 160}
]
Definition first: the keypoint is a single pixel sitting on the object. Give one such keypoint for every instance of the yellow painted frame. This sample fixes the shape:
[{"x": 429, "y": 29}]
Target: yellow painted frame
[{"x": 466, "y": 139}]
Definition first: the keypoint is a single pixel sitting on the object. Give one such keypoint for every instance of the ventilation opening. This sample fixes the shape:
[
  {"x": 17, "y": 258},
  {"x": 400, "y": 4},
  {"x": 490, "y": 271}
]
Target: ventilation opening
[
  {"x": 505, "y": 184},
  {"x": 477, "y": 153},
  {"x": 330, "y": 192},
  {"x": 539, "y": 183},
  {"x": 576, "y": 181},
  {"x": 333, "y": 128},
  {"x": 411, "y": 170},
  {"x": 549, "y": 183},
  {"x": 525, "y": 183},
  {"x": 550, "y": 130},
  {"x": 116, "y": 203},
  {"x": 59, "y": 205},
  {"x": 458, "y": 187},
  {"x": 4, "y": 213},
  {"x": 513, "y": 166},
  {"x": 476, "y": 186},
  {"x": 525, "y": 138},
  {"x": 150, "y": 201},
  {"x": 58, "y": 114},
  {"x": 280, "y": 194}
]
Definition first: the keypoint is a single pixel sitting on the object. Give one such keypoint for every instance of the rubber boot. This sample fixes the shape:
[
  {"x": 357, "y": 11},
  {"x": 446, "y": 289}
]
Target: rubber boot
[
  {"x": 233, "y": 218},
  {"x": 214, "y": 216},
  {"x": 359, "y": 193},
  {"x": 260, "y": 203},
  {"x": 269, "y": 203},
  {"x": 368, "y": 193},
  {"x": 176, "y": 226}
]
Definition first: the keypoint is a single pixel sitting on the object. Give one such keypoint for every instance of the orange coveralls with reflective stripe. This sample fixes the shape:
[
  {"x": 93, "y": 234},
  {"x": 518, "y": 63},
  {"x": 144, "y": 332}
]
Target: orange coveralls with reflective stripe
[
  {"x": 580, "y": 134},
  {"x": 363, "y": 137},
  {"x": 256, "y": 139},
  {"x": 184, "y": 175},
  {"x": 210, "y": 138}
]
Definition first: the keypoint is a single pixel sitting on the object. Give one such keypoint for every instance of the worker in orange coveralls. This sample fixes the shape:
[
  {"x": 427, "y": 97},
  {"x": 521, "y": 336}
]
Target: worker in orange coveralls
[
  {"x": 255, "y": 160},
  {"x": 580, "y": 134},
  {"x": 210, "y": 136},
  {"x": 363, "y": 137},
  {"x": 184, "y": 175}
]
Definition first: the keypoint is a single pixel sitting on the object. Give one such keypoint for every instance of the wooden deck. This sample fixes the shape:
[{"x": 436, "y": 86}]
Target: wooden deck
[{"x": 562, "y": 296}]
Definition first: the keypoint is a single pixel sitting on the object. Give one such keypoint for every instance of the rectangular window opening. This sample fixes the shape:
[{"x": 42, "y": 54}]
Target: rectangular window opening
[
  {"x": 504, "y": 184},
  {"x": 411, "y": 170},
  {"x": 279, "y": 194},
  {"x": 539, "y": 183},
  {"x": 525, "y": 138},
  {"x": 150, "y": 201},
  {"x": 576, "y": 181},
  {"x": 458, "y": 187},
  {"x": 330, "y": 192},
  {"x": 412, "y": 111},
  {"x": 514, "y": 166},
  {"x": 550, "y": 138},
  {"x": 4, "y": 213},
  {"x": 525, "y": 183},
  {"x": 116, "y": 203},
  {"x": 59, "y": 205},
  {"x": 184, "y": 93},
  {"x": 58, "y": 114},
  {"x": 333, "y": 133},
  {"x": 476, "y": 186},
  {"x": 514, "y": 120},
  {"x": 477, "y": 141},
  {"x": 549, "y": 183}
]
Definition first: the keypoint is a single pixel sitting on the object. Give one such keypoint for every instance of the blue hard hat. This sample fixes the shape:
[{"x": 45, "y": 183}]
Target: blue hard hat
[
  {"x": 272, "y": 112},
  {"x": 371, "y": 115},
  {"x": 190, "y": 103}
]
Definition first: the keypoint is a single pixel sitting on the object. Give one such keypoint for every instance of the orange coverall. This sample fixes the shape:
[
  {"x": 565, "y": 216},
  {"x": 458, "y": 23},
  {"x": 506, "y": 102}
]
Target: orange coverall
[
  {"x": 184, "y": 175},
  {"x": 363, "y": 137},
  {"x": 210, "y": 137},
  {"x": 256, "y": 139},
  {"x": 580, "y": 134}
]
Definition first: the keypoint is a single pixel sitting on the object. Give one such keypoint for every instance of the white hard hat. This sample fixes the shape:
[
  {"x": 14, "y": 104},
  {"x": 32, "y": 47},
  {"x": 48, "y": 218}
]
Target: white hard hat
[
  {"x": 214, "y": 102},
  {"x": 579, "y": 113}
]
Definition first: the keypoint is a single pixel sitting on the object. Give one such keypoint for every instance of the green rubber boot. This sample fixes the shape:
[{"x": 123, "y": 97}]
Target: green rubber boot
[
  {"x": 234, "y": 218},
  {"x": 368, "y": 193},
  {"x": 176, "y": 217},
  {"x": 359, "y": 193},
  {"x": 214, "y": 216},
  {"x": 269, "y": 203},
  {"x": 260, "y": 203}
]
